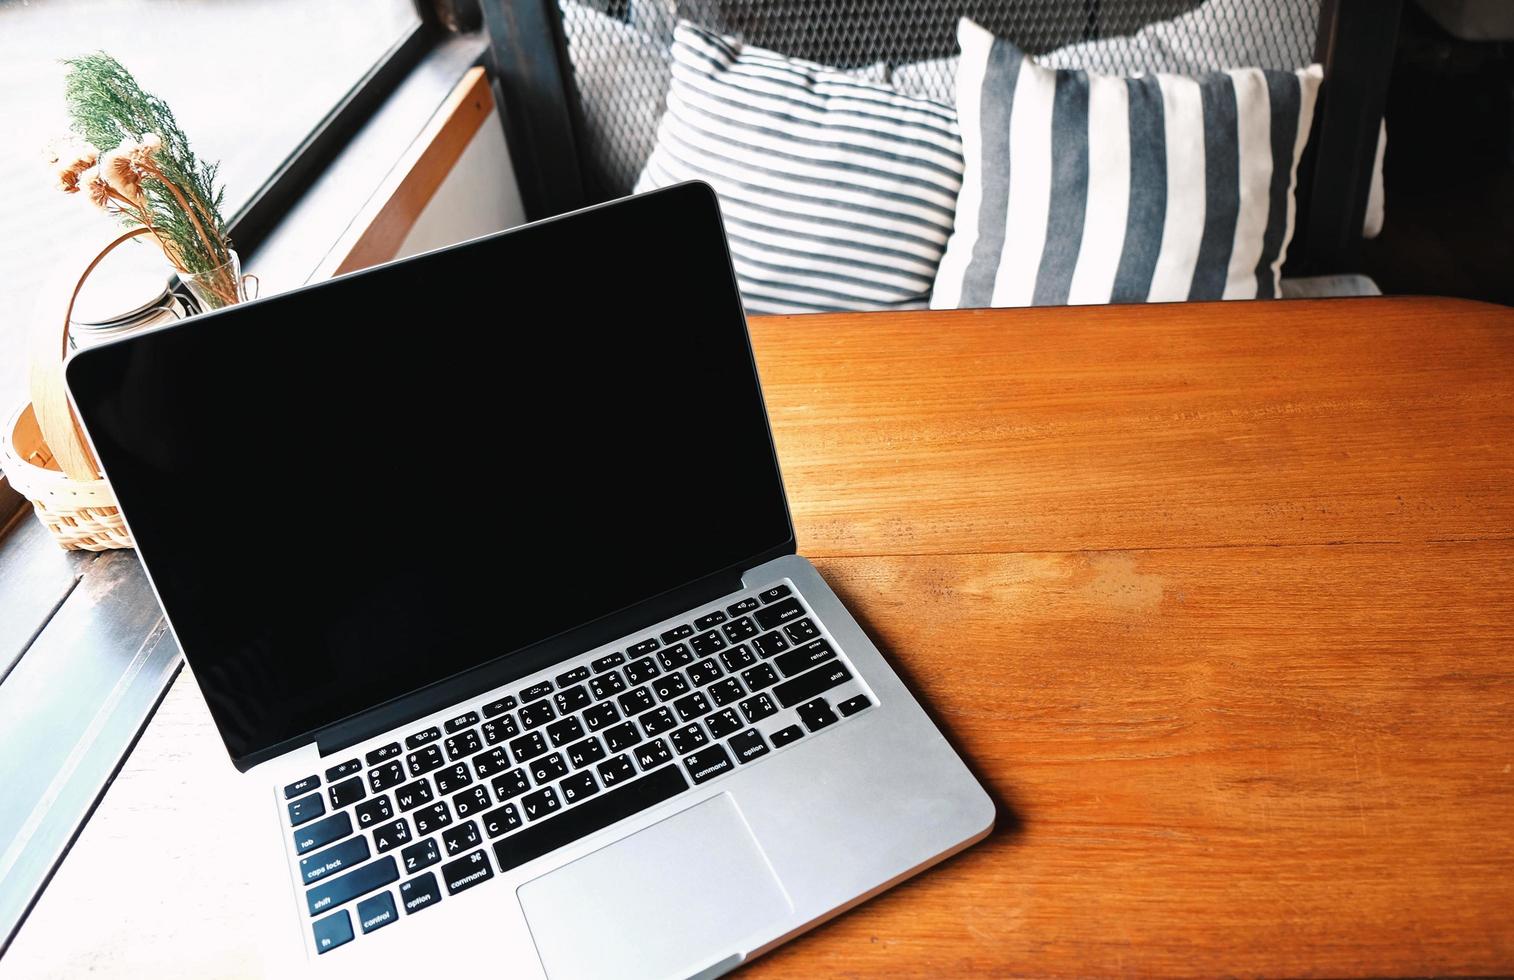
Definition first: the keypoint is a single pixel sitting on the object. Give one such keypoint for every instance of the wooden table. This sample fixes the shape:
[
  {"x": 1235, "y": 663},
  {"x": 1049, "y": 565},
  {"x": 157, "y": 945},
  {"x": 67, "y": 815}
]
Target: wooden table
[{"x": 1218, "y": 600}]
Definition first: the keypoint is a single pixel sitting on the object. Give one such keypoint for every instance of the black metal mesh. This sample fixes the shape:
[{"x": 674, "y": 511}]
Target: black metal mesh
[{"x": 618, "y": 49}]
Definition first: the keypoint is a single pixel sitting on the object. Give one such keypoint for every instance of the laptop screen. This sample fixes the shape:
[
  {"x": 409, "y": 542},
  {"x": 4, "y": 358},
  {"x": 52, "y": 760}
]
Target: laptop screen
[{"x": 345, "y": 493}]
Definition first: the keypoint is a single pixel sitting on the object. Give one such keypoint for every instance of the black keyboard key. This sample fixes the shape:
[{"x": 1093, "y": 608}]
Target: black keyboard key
[
  {"x": 376, "y": 912},
  {"x": 641, "y": 648},
  {"x": 535, "y": 715},
  {"x": 462, "y": 721},
  {"x": 675, "y": 656},
  {"x": 709, "y": 763},
  {"x": 573, "y": 676},
  {"x": 346, "y": 792},
  {"x": 622, "y": 736},
  {"x": 377, "y": 810},
  {"x": 511, "y": 784},
  {"x": 806, "y": 686},
  {"x": 548, "y": 768},
  {"x": 535, "y": 691},
  {"x": 427, "y": 759},
  {"x": 306, "y": 809},
  {"x": 463, "y": 744},
  {"x": 606, "y": 685},
  {"x": 345, "y": 769},
  {"x": 339, "y": 857},
  {"x": 616, "y": 770},
  {"x": 453, "y": 778},
  {"x": 784, "y": 736},
  {"x": 691, "y": 707},
  {"x": 495, "y": 708},
  {"x": 724, "y": 722},
  {"x": 423, "y": 738},
  {"x": 737, "y": 657},
  {"x": 758, "y": 708},
  {"x": 332, "y": 931},
  {"x": 579, "y": 786},
  {"x": 779, "y": 613},
  {"x": 387, "y": 775},
  {"x": 743, "y": 607},
  {"x": 388, "y": 836},
  {"x": 466, "y": 872},
  {"x": 710, "y": 619},
  {"x": 433, "y": 817},
  {"x": 688, "y": 738},
  {"x": 748, "y": 746},
  {"x": 741, "y": 629},
  {"x": 594, "y": 814},
  {"x": 799, "y": 660},
  {"x": 640, "y": 671},
  {"x": 322, "y": 832},
  {"x": 486, "y": 764},
  {"x": 774, "y": 594},
  {"x": 670, "y": 686},
  {"x": 528, "y": 746},
  {"x": 458, "y": 839},
  {"x": 658, "y": 722},
  {"x": 816, "y": 714},
  {"x": 707, "y": 643},
  {"x": 653, "y": 754},
  {"x": 635, "y": 702},
  {"x": 759, "y": 677},
  {"x": 725, "y": 692},
  {"x": 678, "y": 633},
  {"x": 770, "y": 643},
  {"x": 605, "y": 663},
  {"x": 501, "y": 820},
  {"x": 499, "y": 729},
  {"x": 704, "y": 672},
  {"x": 565, "y": 731},
  {"x": 540, "y": 803},
  {"x": 301, "y": 786},
  {"x": 419, "y": 856},
  {"x": 583, "y": 753},
  {"x": 471, "y": 801},
  {"x": 336, "y": 891},
  {"x": 420, "y": 893},
  {"x": 412, "y": 795},
  {"x": 853, "y": 705},
  {"x": 601, "y": 715},
  {"x": 383, "y": 753},
  {"x": 801, "y": 632},
  {"x": 571, "y": 700}
]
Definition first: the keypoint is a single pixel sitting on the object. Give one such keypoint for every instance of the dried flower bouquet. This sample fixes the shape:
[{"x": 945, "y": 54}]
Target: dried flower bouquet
[{"x": 130, "y": 159}]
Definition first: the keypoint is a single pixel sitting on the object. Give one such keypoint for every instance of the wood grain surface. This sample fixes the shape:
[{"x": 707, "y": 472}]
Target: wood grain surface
[{"x": 1217, "y": 600}]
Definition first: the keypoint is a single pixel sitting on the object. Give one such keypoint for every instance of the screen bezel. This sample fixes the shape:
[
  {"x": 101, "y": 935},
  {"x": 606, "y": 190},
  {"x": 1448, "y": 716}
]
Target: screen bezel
[{"x": 693, "y": 208}]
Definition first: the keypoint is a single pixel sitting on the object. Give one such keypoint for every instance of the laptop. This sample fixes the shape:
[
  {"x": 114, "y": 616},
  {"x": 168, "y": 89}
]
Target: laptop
[{"x": 483, "y": 564}]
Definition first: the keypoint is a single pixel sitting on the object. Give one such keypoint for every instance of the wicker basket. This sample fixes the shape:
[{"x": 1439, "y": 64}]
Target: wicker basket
[{"x": 43, "y": 452}]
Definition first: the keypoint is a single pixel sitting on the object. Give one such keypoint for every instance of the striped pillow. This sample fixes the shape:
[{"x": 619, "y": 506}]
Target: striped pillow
[
  {"x": 1084, "y": 188},
  {"x": 838, "y": 193}
]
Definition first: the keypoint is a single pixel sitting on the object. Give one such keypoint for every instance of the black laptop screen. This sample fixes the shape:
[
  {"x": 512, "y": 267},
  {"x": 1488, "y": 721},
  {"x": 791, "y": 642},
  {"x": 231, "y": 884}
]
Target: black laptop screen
[{"x": 345, "y": 493}]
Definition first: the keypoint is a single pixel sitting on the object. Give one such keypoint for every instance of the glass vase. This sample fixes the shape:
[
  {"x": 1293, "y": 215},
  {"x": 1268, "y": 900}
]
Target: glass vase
[{"x": 221, "y": 286}]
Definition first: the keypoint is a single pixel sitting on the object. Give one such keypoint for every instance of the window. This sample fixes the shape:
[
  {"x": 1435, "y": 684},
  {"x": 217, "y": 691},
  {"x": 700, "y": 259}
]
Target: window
[{"x": 247, "y": 79}]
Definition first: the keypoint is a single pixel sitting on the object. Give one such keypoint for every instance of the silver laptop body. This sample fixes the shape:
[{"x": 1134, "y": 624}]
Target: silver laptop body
[{"x": 671, "y": 801}]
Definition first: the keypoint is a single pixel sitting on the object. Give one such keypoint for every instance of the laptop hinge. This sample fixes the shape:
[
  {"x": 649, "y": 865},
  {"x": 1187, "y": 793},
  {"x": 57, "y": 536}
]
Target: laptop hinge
[{"x": 502, "y": 670}]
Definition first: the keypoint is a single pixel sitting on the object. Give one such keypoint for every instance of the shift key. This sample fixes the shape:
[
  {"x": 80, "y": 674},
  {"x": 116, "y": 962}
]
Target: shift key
[
  {"x": 334, "y": 892},
  {"x": 806, "y": 686}
]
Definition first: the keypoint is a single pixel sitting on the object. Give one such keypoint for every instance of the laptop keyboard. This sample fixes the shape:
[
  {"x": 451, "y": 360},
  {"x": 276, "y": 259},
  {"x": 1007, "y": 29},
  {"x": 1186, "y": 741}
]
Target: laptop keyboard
[{"x": 449, "y": 806}]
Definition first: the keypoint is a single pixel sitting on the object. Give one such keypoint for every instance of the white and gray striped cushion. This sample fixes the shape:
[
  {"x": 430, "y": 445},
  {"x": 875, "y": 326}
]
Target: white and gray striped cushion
[
  {"x": 837, "y": 193},
  {"x": 1084, "y": 188}
]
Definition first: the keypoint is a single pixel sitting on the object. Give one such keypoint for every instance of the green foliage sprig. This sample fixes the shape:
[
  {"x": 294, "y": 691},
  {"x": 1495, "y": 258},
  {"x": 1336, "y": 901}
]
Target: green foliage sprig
[{"x": 134, "y": 161}]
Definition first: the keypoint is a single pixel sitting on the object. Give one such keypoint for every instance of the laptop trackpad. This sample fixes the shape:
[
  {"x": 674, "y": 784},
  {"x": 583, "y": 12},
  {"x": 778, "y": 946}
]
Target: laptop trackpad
[{"x": 665, "y": 902}]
